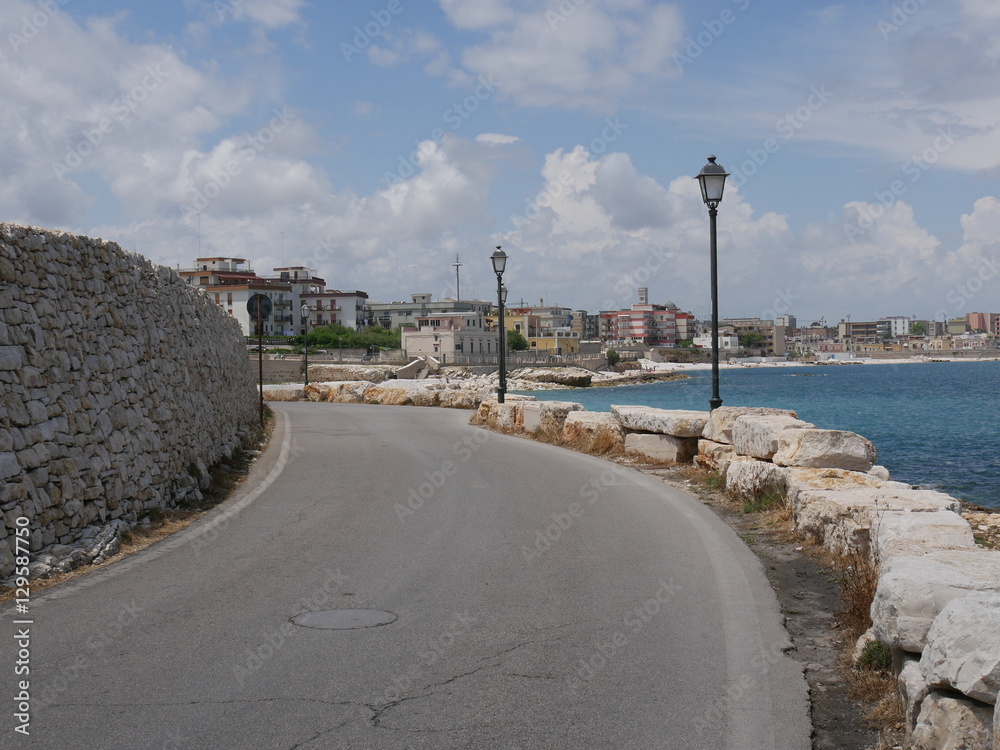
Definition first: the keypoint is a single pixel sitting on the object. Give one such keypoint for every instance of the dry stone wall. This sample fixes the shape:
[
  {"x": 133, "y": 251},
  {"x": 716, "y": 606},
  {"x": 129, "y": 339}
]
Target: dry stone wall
[{"x": 119, "y": 386}]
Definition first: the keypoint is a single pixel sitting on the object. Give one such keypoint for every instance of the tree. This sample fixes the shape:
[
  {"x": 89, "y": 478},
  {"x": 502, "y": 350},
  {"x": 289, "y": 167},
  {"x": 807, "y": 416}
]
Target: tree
[
  {"x": 918, "y": 328},
  {"x": 751, "y": 339},
  {"x": 347, "y": 338},
  {"x": 613, "y": 357},
  {"x": 515, "y": 341},
  {"x": 685, "y": 343}
]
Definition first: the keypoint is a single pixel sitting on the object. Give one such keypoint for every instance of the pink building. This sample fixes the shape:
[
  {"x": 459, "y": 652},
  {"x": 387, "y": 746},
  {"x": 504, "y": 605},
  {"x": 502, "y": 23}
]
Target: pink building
[{"x": 650, "y": 324}]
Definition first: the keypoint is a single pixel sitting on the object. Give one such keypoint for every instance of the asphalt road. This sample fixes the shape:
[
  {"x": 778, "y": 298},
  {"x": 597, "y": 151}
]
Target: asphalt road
[{"x": 542, "y": 599}]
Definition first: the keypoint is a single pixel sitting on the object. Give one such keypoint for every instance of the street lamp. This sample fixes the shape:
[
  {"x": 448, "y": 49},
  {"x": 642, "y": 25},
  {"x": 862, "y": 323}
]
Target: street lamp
[
  {"x": 305, "y": 338},
  {"x": 712, "y": 179},
  {"x": 499, "y": 260}
]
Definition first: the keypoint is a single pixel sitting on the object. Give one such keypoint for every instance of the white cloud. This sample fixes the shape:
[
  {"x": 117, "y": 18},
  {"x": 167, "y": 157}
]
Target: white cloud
[
  {"x": 363, "y": 108},
  {"x": 271, "y": 14},
  {"x": 497, "y": 139},
  {"x": 590, "y": 55}
]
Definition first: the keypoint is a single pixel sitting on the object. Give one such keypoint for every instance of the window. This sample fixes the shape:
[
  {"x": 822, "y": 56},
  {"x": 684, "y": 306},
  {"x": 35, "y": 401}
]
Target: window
[{"x": 229, "y": 298}]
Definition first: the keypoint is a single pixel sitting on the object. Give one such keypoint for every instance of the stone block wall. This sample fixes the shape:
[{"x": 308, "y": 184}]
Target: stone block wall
[{"x": 119, "y": 386}]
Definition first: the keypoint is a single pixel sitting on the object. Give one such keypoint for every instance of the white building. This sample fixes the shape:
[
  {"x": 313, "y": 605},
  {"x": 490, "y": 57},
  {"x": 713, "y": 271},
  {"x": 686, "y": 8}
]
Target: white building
[
  {"x": 447, "y": 335},
  {"x": 727, "y": 343},
  {"x": 231, "y": 284}
]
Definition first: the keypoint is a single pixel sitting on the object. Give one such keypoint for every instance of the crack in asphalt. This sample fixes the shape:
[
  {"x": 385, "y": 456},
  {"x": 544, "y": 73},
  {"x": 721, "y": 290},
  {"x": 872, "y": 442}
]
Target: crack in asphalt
[{"x": 496, "y": 660}]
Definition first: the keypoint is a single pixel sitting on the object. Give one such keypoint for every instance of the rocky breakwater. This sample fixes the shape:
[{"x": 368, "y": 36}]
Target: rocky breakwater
[
  {"x": 937, "y": 604},
  {"x": 120, "y": 387}
]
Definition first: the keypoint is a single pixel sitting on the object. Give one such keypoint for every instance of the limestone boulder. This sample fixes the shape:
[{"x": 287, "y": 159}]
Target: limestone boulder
[
  {"x": 914, "y": 589},
  {"x": 714, "y": 456},
  {"x": 758, "y": 436},
  {"x": 401, "y": 393},
  {"x": 913, "y": 689},
  {"x": 677, "y": 422},
  {"x": 822, "y": 449},
  {"x": 574, "y": 377},
  {"x": 880, "y": 472},
  {"x": 548, "y": 417},
  {"x": 459, "y": 398},
  {"x": 284, "y": 393},
  {"x": 800, "y": 478},
  {"x": 506, "y": 417},
  {"x": 900, "y": 532},
  {"x": 750, "y": 478},
  {"x": 593, "y": 431},
  {"x": 719, "y": 427},
  {"x": 841, "y": 520},
  {"x": 963, "y": 647},
  {"x": 951, "y": 723},
  {"x": 370, "y": 373},
  {"x": 661, "y": 448}
]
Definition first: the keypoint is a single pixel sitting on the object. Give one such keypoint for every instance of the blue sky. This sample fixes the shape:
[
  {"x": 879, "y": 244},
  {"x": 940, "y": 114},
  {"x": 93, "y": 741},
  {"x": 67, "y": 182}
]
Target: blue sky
[{"x": 375, "y": 140}]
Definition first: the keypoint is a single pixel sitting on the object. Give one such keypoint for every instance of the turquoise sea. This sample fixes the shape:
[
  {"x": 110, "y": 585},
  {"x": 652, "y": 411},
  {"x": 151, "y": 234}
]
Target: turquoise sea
[{"x": 935, "y": 424}]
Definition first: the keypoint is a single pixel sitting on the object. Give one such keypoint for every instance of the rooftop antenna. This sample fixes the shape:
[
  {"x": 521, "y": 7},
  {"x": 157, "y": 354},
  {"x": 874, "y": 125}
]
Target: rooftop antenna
[
  {"x": 458, "y": 285},
  {"x": 282, "y": 248},
  {"x": 199, "y": 234}
]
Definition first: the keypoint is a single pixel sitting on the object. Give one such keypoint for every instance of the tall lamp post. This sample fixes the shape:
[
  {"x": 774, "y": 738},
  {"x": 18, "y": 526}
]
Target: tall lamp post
[
  {"x": 712, "y": 179},
  {"x": 305, "y": 339},
  {"x": 499, "y": 260}
]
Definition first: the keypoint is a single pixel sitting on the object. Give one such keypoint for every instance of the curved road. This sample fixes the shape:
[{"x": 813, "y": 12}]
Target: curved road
[{"x": 543, "y": 599}]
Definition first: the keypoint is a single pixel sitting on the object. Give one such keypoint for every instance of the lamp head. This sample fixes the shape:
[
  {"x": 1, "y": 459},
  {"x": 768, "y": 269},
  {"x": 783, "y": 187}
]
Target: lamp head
[
  {"x": 499, "y": 260},
  {"x": 712, "y": 179}
]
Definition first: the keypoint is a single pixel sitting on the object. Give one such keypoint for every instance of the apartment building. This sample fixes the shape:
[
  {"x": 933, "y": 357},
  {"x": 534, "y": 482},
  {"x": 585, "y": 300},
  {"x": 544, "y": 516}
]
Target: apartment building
[
  {"x": 646, "y": 323},
  {"x": 393, "y": 315},
  {"x": 231, "y": 284}
]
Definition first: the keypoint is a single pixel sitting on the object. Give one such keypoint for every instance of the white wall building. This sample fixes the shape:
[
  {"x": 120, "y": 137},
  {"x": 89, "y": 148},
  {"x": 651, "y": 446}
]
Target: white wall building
[
  {"x": 231, "y": 285},
  {"x": 447, "y": 335},
  {"x": 727, "y": 343}
]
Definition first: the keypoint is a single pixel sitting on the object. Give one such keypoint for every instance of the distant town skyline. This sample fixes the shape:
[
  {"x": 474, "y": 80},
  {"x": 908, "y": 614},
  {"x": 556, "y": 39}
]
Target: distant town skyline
[{"x": 376, "y": 141}]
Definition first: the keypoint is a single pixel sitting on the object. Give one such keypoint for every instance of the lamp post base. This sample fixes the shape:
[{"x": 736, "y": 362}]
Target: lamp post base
[{"x": 714, "y": 403}]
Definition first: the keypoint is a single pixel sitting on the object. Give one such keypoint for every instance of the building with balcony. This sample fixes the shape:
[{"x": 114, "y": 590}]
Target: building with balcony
[
  {"x": 231, "y": 284},
  {"x": 392, "y": 315},
  {"x": 646, "y": 323}
]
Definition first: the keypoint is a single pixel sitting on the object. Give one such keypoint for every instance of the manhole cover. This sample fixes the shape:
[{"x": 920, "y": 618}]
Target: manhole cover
[{"x": 344, "y": 619}]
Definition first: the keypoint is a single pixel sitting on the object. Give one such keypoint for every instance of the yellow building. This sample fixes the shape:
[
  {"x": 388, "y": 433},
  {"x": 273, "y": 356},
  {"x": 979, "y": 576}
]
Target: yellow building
[{"x": 557, "y": 343}]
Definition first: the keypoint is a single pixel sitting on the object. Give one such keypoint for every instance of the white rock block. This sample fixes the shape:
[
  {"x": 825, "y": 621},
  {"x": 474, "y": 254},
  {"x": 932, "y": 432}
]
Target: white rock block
[
  {"x": 593, "y": 428},
  {"x": 758, "y": 436},
  {"x": 715, "y": 456},
  {"x": 719, "y": 427},
  {"x": 547, "y": 416},
  {"x": 679, "y": 423},
  {"x": 841, "y": 520},
  {"x": 913, "y": 689},
  {"x": 949, "y": 723},
  {"x": 834, "y": 449},
  {"x": 747, "y": 477},
  {"x": 963, "y": 647},
  {"x": 800, "y": 478},
  {"x": 900, "y": 532},
  {"x": 284, "y": 393},
  {"x": 665, "y": 448},
  {"x": 914, "y": 589}
]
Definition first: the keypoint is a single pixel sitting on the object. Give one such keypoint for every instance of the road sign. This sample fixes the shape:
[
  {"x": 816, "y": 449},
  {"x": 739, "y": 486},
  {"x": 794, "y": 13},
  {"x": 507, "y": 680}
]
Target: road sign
[{"x": 265, "y": 306}]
